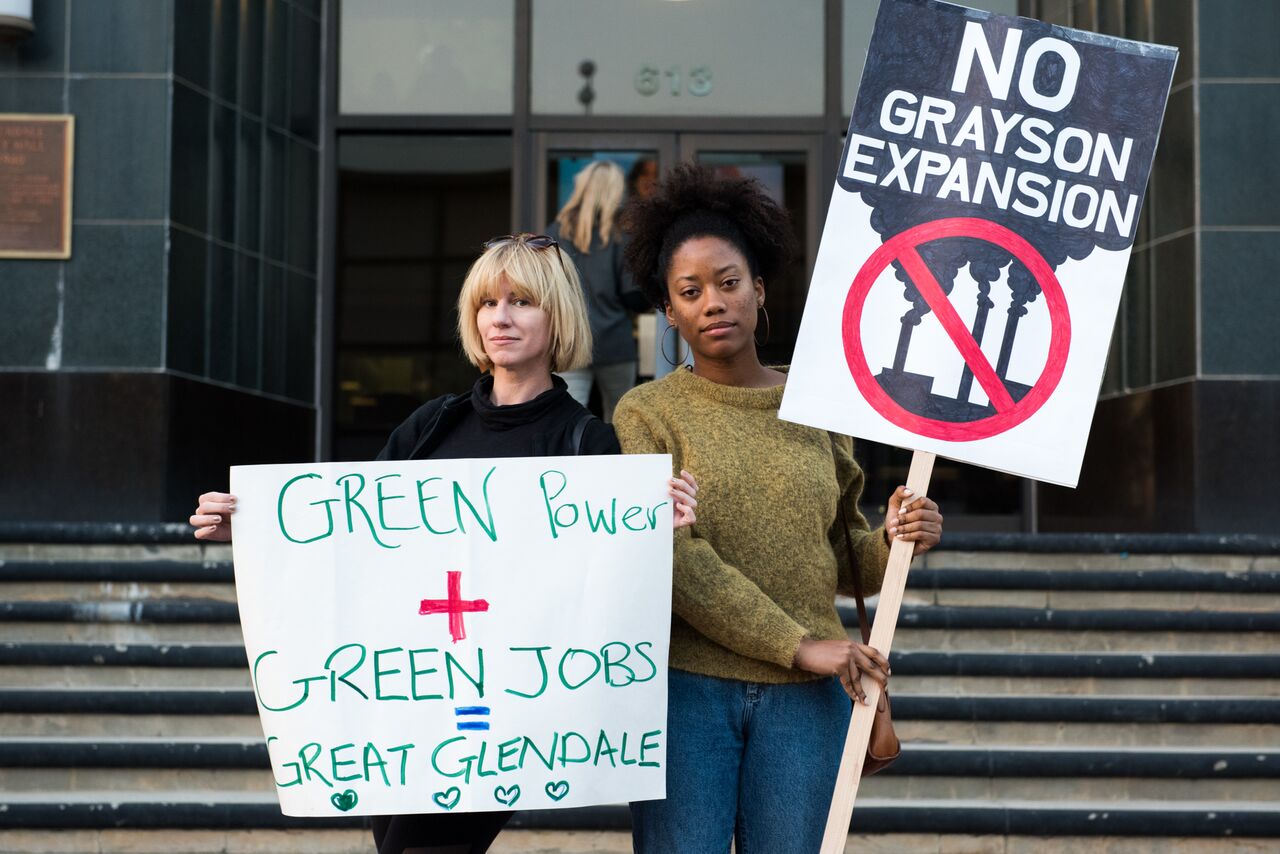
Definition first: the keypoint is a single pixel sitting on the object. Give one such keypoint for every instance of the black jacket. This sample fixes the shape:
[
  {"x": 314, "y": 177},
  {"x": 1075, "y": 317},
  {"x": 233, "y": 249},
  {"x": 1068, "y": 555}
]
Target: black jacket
[{"x": 569, "y": 429}]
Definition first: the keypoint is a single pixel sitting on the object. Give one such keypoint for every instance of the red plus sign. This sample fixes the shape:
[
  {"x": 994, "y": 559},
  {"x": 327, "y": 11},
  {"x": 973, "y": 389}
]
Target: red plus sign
[{"x": 455, "y": 606}]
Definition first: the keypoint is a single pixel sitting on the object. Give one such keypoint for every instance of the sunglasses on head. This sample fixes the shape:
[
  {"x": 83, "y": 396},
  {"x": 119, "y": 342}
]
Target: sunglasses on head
[
  {"x": 534, "y": 241},
  {"x": 537, "y": 241}
]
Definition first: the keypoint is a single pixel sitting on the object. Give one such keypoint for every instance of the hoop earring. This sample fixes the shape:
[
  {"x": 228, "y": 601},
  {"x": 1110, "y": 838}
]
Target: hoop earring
[
  {"x": 663, "y": 346},
  {"x": 768, "y": 328}
]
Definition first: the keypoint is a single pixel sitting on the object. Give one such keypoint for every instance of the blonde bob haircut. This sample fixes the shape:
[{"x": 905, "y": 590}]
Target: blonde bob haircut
[{"x": 544, "y": 276}]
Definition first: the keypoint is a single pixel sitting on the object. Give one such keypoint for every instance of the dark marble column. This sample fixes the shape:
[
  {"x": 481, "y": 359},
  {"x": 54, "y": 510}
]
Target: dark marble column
[
  {"x": 1185, "y": 437},
  {"x": 180, "y": 337}
]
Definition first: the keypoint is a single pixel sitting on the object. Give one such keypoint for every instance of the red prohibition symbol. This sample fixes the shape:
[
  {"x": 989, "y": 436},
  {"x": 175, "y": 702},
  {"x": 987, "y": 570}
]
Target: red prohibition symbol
[{"x": 904, "y": 249}]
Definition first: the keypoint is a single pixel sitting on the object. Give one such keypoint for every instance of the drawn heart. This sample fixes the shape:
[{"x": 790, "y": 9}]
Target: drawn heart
[
  {"x": 557, "y": 790},
  {"x": 506, "y": 796},
  {"x": 344, "y": 800},
  {"x": 448, "y": 799}
]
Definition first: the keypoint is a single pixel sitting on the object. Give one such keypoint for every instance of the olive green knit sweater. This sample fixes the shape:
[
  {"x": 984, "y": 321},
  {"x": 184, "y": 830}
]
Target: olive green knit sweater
[{"x": 758, "y": 571}]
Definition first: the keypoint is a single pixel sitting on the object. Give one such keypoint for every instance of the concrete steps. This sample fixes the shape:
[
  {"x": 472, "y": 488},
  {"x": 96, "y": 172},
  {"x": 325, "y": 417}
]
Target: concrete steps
[
  {"x": 234, "y": 809},
  {"x": 1113, "y": 702},
  {"x": 518, "y": 841}
]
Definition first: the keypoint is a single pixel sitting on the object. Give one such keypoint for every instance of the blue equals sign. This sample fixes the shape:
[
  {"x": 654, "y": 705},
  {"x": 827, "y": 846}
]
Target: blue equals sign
[{"x": 472, "y": 711}]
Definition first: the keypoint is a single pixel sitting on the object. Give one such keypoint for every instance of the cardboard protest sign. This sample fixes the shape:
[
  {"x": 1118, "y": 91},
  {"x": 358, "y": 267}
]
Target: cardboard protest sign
[
  {"x": 458, "y": 635},
  {"x": 975, "y": 248}
]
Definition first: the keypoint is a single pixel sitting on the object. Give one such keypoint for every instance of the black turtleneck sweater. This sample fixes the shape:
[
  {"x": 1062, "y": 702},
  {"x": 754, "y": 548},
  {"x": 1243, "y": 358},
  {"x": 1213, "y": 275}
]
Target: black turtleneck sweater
[{"x": 472, "y": 426}]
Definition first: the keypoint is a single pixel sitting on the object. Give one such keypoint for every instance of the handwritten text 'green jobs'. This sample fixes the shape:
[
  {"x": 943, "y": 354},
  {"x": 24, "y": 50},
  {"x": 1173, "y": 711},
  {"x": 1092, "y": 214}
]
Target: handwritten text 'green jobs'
[
  {"x": 351, "y": 673},
  {"x": 437, "y": 507}
]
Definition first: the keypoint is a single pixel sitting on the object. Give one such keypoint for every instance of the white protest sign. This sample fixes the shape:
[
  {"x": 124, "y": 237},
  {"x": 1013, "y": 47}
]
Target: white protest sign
[
  {"x": 974, "y": 252},
  {"x": 458, "y": 635}
]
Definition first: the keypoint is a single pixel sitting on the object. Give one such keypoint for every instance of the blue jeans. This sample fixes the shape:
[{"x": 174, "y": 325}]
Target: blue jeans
[
  {"x": 747, "y": 761},
  {"x": 615, "y": 381}
]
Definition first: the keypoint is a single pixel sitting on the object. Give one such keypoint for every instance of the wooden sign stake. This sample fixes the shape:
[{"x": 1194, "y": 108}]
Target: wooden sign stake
[{"x": 855, "y": 743}]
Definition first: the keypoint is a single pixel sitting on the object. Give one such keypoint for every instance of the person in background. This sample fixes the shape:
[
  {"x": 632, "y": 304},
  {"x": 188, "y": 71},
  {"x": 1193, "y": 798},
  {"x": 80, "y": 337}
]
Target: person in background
[
  {"x": 587, "y": 229},
  {"x": 520, "y": 316},
  {"x": 756, "y": 714},
  {"x": 642, "y": 178}
]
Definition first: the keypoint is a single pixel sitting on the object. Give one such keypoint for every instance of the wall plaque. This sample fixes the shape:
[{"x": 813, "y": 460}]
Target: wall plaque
[{"x": 35, "y": 185}]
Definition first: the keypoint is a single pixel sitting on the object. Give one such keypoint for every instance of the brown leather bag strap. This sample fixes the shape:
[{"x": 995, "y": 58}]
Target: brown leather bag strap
[
  {"x": 863, "y": 622},
  {"x": 842, "y": 519}
]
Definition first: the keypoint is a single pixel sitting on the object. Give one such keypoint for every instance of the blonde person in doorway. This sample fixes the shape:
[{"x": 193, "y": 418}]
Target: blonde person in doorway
[
  {"x": 587, "y": 229},
  {"x": 520, "y": 317},
  {"x": 762, "y": 670}
]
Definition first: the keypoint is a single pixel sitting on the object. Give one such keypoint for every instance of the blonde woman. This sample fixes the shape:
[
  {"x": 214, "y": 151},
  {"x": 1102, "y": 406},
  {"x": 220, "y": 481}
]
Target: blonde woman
[
  {"x": 587, "y": 229},
  {"x": 521, "y": 315}
]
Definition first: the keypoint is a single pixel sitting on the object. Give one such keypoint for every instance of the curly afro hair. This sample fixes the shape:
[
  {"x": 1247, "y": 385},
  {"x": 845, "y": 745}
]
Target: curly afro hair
[{"x": 692, "y": 201}]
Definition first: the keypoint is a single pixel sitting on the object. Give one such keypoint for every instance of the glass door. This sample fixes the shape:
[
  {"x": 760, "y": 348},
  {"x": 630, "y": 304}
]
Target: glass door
[
  {"x": 788, "y": 166},
  {"x": 642, "y": 158},
  {"x": 413, "y": 211}
]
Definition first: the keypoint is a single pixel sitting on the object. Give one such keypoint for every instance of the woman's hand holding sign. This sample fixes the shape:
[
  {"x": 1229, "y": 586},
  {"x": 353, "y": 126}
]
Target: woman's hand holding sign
[
  {"x": 845, "y": 660},
  {"x": 683, "y": 491},
  {"x": 913, "y": 519},
  {"x": 212, "y": 519}
]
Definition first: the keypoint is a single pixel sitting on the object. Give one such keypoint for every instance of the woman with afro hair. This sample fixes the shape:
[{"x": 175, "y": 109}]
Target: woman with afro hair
[{"x": 761, "y": 669}]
